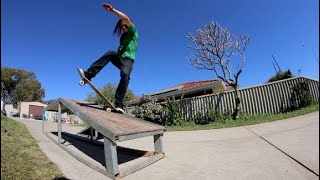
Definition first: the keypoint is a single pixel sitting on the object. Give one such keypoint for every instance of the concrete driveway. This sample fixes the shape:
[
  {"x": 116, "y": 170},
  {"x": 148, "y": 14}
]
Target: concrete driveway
[{"x": 285, "y": 149}]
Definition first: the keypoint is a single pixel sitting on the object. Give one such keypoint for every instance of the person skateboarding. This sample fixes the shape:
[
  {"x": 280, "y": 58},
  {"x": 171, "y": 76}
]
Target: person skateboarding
[{"x": 123, "y": 58}]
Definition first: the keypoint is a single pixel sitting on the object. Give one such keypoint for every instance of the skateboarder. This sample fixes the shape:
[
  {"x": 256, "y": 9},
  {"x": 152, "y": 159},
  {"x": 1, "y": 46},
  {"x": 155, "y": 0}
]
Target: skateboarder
[{"x": 123, "y": 58}]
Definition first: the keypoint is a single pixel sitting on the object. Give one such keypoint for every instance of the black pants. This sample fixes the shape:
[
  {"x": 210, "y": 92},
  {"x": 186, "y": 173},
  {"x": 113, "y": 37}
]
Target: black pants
[{"x": 124, "y": 65}]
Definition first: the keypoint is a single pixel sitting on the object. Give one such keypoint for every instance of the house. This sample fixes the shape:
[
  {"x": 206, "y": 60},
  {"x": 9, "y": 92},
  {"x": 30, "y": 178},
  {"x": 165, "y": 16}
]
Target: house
[
  {"x": 33, "y": 110},
  {"x": 187, "y": 90},
  {"x": 10, "y": 110},
  {"x": 66, "y": 117}
]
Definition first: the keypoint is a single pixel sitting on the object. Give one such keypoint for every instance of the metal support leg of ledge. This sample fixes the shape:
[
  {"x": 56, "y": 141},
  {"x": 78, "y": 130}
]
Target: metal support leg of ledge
[
  {"x": 43, "y": 125},
  {"x": 91, "y": 133},
  {"x": 111, "y": 157},
  {"x": 59, "y": 123},
  {"x": 158, "y": 145}
]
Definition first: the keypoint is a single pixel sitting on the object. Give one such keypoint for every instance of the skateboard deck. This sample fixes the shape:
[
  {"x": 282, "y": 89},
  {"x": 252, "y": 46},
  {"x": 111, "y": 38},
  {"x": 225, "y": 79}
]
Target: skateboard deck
[{"x": 110, "y": 107}]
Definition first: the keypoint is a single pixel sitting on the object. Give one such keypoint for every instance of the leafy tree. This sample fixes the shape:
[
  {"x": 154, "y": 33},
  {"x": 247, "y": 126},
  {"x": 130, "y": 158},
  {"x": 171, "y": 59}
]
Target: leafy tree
[
  {"x": 281, "y": 75},
  {"x": 108, "y": 91},
  {"x": 20, "y": 85},
  {"x": 216, "y": 49}
]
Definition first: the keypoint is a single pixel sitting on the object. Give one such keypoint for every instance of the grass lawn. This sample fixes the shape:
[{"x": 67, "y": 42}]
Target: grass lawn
[{"x": 21, "y": 157}]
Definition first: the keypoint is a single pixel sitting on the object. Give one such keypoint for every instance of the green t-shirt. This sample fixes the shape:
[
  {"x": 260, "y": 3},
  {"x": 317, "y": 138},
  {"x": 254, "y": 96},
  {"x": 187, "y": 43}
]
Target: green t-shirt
[{"x": 129, "y": 43}]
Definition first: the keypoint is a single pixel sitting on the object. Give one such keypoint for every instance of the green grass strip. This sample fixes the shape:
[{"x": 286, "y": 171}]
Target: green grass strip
[{"x": 21, "y": 157}]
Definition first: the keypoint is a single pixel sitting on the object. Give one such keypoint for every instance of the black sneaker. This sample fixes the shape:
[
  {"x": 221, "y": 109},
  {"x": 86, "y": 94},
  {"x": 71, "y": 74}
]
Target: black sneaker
[
  {"x": 86, "y": 74},
  {"x": 119, "y": 110}
]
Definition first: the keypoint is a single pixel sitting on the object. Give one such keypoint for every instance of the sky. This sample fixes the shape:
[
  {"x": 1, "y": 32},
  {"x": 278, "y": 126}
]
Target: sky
[{"x": 52, "y": 38}]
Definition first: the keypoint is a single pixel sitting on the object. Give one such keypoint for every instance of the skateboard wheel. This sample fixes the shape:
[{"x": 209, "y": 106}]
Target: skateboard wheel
[
  {"x": 108, "y": 109},
  {"x": 81, "y": 82}
]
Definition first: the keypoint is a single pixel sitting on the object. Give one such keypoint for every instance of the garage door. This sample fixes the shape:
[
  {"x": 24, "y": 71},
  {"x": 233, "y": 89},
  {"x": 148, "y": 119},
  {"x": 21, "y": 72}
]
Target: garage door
[{"x": 36, "y": 111}]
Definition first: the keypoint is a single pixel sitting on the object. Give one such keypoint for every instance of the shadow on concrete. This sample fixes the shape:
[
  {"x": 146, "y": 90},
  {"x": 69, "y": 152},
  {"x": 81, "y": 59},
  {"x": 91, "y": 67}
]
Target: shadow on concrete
[{"x": 95, "y": 149}]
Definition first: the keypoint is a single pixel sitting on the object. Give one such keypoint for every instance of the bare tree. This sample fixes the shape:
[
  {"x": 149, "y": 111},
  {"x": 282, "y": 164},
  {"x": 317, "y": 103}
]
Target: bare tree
[{"x": 217, "y": 50}]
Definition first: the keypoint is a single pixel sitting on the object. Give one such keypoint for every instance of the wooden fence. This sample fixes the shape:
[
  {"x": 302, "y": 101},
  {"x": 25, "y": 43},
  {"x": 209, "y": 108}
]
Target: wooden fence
[{"x": 269, "y": 98}]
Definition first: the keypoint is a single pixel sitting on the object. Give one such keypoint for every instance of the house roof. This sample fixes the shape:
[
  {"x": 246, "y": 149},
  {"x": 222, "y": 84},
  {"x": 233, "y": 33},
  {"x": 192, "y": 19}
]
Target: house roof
[
  {"x": 186, "y": 88},
  {"x": 34, "y": 103},
  {"x": 197, "y": 83}
]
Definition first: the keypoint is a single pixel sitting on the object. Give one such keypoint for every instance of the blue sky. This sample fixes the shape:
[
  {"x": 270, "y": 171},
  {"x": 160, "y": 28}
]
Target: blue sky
[{"x": 52, "y": 38}]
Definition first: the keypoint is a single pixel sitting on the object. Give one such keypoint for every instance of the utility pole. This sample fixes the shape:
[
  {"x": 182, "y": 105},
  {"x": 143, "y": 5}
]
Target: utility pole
[
  {"x": 274, "y": 67},
  {"x": 314, "y": 53},
  {"x": 274, "y": 59}
]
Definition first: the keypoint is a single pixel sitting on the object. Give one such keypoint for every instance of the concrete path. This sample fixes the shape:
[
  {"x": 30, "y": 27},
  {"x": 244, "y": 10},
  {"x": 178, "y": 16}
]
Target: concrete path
[{"x": 285, "y": 149}]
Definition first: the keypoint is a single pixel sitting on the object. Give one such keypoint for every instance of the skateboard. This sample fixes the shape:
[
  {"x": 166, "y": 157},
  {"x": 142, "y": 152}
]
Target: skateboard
[{"x": 110, "y": 107}]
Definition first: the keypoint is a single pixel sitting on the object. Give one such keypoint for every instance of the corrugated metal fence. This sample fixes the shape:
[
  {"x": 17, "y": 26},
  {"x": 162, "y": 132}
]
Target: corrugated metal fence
[{"x": 269, "y": 98}]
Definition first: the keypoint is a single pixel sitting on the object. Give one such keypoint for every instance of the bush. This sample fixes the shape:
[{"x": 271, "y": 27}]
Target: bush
[
  {"x": 149, "y": 110},
  {"x": 201, "y": 119},
  {"x": 173, "y": 117},
  {"x": 300, "y": 96},
  {"x": 215, "y": 116}
]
